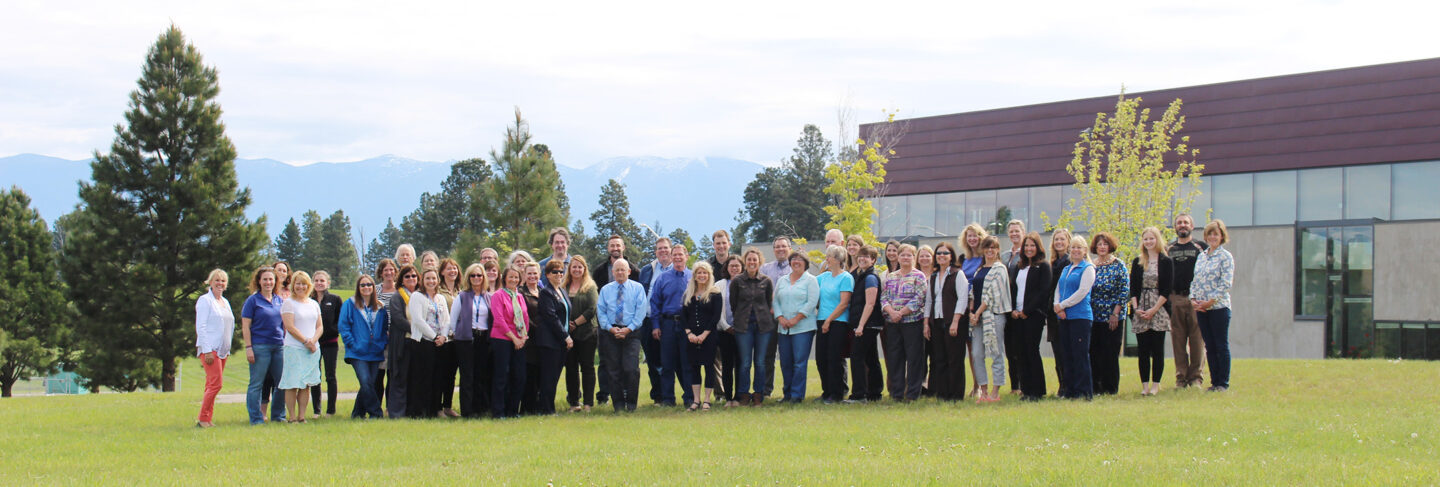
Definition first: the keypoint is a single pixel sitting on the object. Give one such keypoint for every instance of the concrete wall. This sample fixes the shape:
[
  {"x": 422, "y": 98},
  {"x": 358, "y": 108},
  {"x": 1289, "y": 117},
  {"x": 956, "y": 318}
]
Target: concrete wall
[
  {"x": 1263, "y": 300},
  {"x": 1407, "y": 271}
]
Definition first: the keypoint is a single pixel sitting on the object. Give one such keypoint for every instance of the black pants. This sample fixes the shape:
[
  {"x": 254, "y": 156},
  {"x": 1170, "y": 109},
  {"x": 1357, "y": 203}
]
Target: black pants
[
  {"x": 621, "y": 360},
  {"x": 380, "y": 387},
  {"x": 947, "y": 358},
  {"x": 398, "y": 357},
  {"x": 1014, "y": 343},
  {"x": 446, "y": 367},
  {"x": 507, "y": 379},
  {"x": 729, "y": 358},
  {"x": 422, "y": 402},
  {"x": 1057, "y": 349},
  {"x": 905, "y": 357},
  {"x": 865, "y": 372},
  {"x": 830, "y": 359},
  {"x": 544, "y": 366},
  {"x": 327, "y": 358},
  {"x": 1032, "y": 367},
  {"x": 1151, "y": 347},
  {"x": 1105, "y": 357},
  {"x": 700, "y": 361},
  {"x": 602, "y": 381},
  {"x": 652, "y": 356},
  {"x": 472, "y": 363},
  {"x": 580, "y": 371}
]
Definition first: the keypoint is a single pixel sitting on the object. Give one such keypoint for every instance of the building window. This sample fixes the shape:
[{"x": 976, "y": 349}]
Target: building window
[
  {"x": 1320, "y": 191},
  {"x": 1415, "y": 192},
  {"x": 1233, "y": 198},
  {"x": 1275, "y": 198},
  {"x": 1016, "y": 202},
  {"x": 921, "y": 208},
  {"x": 892, "y": 216},
  {"x": 949, "y": 214},
  {"x": 1367, "y": 192},
  {"x": 980, "y": 208},
  {"x": 1043, "y": 200},
  {"x": 1070, "y": 200},
  {"x": 1200, "y": 208}
]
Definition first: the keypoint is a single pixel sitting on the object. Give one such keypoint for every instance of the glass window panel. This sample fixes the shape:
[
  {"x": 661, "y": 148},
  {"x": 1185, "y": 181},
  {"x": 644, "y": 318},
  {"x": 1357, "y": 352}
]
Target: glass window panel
[
  {"x": 1388, "y": 338},
  {"x": 1359, "y": 328},
  {"x": 1017, "y": 201},
  {"x": 1275, "y": 198},
  {"x": 1413, "y": 344},
  {"x": 1200, "y": 208},
  {"x": 1313, "y": 270},
  {"x": 892, "y": 216},
  {"x": 1413, "y": 191},
  {"x": 1432, "y": 340},
  {"x": 1359, "y": 260},
  {"x": 949, "y": 214},
  {"x": 1044, "y": 200},
  {"x": 1320, "y": 194},
  {"x": 1232, "y": 198},
  {"x": 980, "y": 208},
  {"x": 921, "y": 208},
  {"x": 1070, "y": 199},
  {"x": 1367, "y": 192}
]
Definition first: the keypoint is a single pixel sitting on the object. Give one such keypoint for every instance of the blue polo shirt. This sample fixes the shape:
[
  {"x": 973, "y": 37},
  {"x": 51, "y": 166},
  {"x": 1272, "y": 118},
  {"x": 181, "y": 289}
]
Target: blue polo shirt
[{"x": 264, "y": 314}]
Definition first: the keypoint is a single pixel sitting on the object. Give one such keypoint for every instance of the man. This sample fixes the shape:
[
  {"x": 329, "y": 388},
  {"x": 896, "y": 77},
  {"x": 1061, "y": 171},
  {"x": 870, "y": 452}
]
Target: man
[
  {"x": 559, "y": 249},
  {"x": 647, "y": 340},
  {"x": 615, "y": 251},
  {"x": 834, "y": 237},
  {"x": 720, "y": 241},
  {"x": 620, "y": 312},
  {"x": 1185, "y": 333},
  {"x": 667, "y": 302},
  {"x": 488, "y": 254},
  {"x": 776, "y": 270},
  {"x": 1016, "y": 231},
  {"x": 728, "y": 349}
]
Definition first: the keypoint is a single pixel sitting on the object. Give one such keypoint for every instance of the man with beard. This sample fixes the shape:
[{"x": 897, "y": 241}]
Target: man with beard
[{"x": 1185, "y": 333}]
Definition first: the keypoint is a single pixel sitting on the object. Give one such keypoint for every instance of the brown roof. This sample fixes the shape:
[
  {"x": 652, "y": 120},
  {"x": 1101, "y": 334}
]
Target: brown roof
[{"x": 1371, "y": 114}]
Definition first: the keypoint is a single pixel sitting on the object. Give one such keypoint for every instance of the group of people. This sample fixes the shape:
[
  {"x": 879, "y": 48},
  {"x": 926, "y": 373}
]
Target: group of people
[{"x": 509, "y": 331}]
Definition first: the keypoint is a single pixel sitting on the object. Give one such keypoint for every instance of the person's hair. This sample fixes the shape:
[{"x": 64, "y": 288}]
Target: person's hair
[
  {"x": 782, "y": 237},
  {"x": 1016, "y": 222},
  {"x": 954, "y": 256},
  {"x": 430, "y": 270},
  {"x": 404, "y": 246},
  {"x": 1039, "y": 250},
  {"x": 666, "y": 240},
  {"x": 407, "y": 269},
  {"x": 380, "y": 269},
  {"x": 214, "y": 274},
  {"x": 1102, "y": 237},
  {"x": 1159, "y": 246},
  {"x": 296, "y": 279},
  {"x": 736, "y": 258},
  {"x": 255, "y": 278},
  {"x": 488, "y": 284},
  {"x": 746, "y": 256},
  {"x": 869, "y": 251},
  {"x": 465, "y": 278},
  {"x": 1055, "y": 237},
  {"x": 1185, "y": 216},
  {"x": 586, "y": 281},
  {"x": 490, "y": 250},
  {"x": 720, "y": 233},
  {"x": 451, "y": 288},
  {"x": 679, "y": 246},
  {"x": 701, "y": 295},
  {"x": 801, "y": 256},
  {"x": 374, "y": 301},
  {"x": 505, "y": 275},
  {"x": 971, "y": 253},
  {"x": 315, "y": 293},
  {"x": 429, "y": 253},
  {"x": 888, "y": 264},
  {"x": 613, "y": 237},
  {"x": 510, "y": 260},
  {"x": 1080, "y": 240},
  {"x": 989, "y": 242},
  {"x": 1217, "y": 226},
  {"x": 550, "y": 239},
  {"x": 923, "y": 249},
  {"x": 901, "y": 250},
  {"x": 289, "y": 271},
  {"x": 554, "y": 264},
  {"x": 837, "y": 253}
]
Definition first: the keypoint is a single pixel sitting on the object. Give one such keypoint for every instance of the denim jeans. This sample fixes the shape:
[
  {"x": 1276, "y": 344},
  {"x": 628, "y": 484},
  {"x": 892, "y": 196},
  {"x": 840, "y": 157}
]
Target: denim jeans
[
  {"x": 1215, "y": 330},
  {"x": 367, "y": 399},
  {"x": 673, "y": 357},
  {"x": 794, "y": 363},
  {"x": 269, "y": 361},
  {"x": 978, "y": 353},
  {"x": 752, "y": 345}
]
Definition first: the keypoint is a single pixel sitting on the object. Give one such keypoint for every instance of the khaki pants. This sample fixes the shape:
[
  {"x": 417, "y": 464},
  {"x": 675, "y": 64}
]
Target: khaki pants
[{"x": 1185, "y": 338}]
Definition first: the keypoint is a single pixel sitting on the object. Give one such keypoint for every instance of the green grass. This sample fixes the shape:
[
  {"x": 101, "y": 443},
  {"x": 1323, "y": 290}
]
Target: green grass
[{"x": 1285, "y": 422}]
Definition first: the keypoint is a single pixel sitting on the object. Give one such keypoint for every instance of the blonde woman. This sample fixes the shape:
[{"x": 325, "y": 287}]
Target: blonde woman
[
  {"x": 214, "y": 330},
  {"x": 301, "y": 316},
  {"x": 1072, "y": 307},
  {"x": 703, "y": 308},
  {"x": 1059, "y": 259},
  {"x": 990, "y": 304},
  {"x": 1151, "y": 281},
  {"x": 470, "y": 328},
  {"x": 580, "y": 359},
  {"x": 429, "y": 260},
  {"x": 836, "y": 288},
  {"x": 1210, "y": 292},
  {"x": 970, "y": 240}
]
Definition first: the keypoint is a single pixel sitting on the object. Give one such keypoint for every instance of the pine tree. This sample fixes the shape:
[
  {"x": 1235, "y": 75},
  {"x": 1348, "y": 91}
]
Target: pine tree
[
  {"x": 381, "y": 247},
  {"x": 163, "y": 210},
  {"x": 289, "y": 244},
  {"x": 613, "y": 218},
  {"x": 36, "y": 314},
  {"x": 312, "y": 246},
  {"x": 521, "y": 203},
  {"x": 338, "y": 255}
]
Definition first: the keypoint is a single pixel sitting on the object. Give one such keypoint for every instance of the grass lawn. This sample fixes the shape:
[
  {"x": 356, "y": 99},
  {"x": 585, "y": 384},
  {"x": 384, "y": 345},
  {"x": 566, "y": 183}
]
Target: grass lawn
[{"x": 1290, "y": 422}]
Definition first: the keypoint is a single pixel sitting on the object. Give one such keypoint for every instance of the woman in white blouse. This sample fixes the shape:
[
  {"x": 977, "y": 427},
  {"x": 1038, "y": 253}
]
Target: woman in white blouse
[
  {"x": 214, "y": 329},
  {"x": 301, "y": 317},
  {"x": 429, "y": 329}
]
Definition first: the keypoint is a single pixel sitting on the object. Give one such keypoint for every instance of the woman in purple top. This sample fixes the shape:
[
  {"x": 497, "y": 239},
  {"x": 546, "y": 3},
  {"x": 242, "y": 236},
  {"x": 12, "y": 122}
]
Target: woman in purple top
[{"x": 903, "y": 304}]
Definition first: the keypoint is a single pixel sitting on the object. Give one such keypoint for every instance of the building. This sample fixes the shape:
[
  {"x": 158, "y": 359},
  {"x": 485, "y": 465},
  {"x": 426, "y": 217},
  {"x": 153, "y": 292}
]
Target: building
[{"x": 1329, "y": 182}]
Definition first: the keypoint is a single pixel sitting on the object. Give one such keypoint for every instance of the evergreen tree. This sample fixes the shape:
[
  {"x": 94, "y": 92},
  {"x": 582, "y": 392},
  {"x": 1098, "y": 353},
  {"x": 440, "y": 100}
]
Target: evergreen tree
[
  {"x": 682, "y": 237},
  {"x": 521, "y": 203},
  {"x": 336, "y": 254},
  {"x": 762, "y": 221},
  {"x": 613, "y": 218},
  {"x": 36, "y": 314},
  {"x": 289, "y": 244},
  {"x": 312, "y": 247},
  {"x": 163, "y": 210},
  {"x": 382, "y": 247},
  {"x": 790, "y": 200}
]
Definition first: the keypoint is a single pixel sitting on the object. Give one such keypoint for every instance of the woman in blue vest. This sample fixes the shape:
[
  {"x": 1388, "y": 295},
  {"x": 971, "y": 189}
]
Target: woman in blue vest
[{"x": 1072, "y": 307}]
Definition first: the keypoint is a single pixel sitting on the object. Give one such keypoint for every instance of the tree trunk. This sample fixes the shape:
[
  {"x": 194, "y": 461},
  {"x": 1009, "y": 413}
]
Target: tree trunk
[
  {"x": 5, "y": 387},
  {"x": 167, "y": 374}
]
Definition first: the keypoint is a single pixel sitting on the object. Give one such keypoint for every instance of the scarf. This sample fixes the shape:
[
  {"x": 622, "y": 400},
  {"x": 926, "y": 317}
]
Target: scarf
[{"x": 519, "y": 316}]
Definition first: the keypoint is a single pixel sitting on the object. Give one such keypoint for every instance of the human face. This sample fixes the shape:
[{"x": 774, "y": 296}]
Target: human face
[
  {"x": 722, "y": 245},
  {"x": 432, "y": 282},
  {"x": 678, "y": 257},
  {"x": 267, "y": 282},
  {"x": 1060, "y": 243},
  {"x": 405, "y": 256},
  {"x": 577, "y": 271},
  {"x": 1077, "y": 252},
  {"x": 1212, "y": 238},
  {"x": 322, "y": 282},
  {"x": 512, "y": 279},
  {"x": 560, "y": 244},
  {"x": 906, "y": 258},
  {"x": 556, "y": 277},
  {"x": 1029, "y": 249},
  {"x": 532, "y": 276},
  {"x": 1149, "y": 241},
  {"x": 616, "y": 248},
  {"x": 218, "y": 285},
  {"x": 410, "y": 281},
  {"x": 477, "y": 280},
  {"x": 388, "y": 273},
  {"x": 927, "y": 258},
  {"x": 491, "y": 275},
  {"x": 367, "y": 287},
  {"x": 429, "y": 262},
  {"x": 864, "y": 261},
  {"x": 621, "y": 272},
  {"x": 781, "y": 248},
  {"x": 488, "y": 256},
  {"x": 300, "y": 289},
  {"x": 797, "y": 263},
  {"x": 943, "y": 257},
  {"x": 282, "y": 271},
  {"x": 1102, "y": 248},
  {"x": 892, "y": 253},
  {"x": 452, "y": 273},
  {"x": 972, "y": 239},
  {"x": 702, "y": 276},
  {"x": 662, "y": 252},
  {"x": 1015, "y": 234},
  {"x": 852, "y": 247},
  {"x": 992, "y": 253},
  {"x": 734, "y": 267},
  {"x": 752, "y": 263},
  {"x": 834, "y": 237},
  {"x": 1183, "y": 226}
]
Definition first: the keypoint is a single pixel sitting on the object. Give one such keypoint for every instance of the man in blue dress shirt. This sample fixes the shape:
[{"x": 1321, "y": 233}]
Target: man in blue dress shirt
[
  {"x": 620, "y": 312},
  {"x": 667, "y": 301}
]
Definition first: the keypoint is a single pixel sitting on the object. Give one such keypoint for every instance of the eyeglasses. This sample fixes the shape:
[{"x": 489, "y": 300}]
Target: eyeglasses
[
  {"x": 556, "y": 271},
  {"x": 944, "y": 252},
  {"x": 367, "y": 284},
  {"x": 410, "y": 276},
  {"x": 472, "y": 276}
]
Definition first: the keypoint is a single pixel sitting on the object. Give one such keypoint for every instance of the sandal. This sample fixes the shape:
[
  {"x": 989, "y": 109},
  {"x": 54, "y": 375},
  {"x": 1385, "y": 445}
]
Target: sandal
[
  {"x": 705, "y": 406},
  {"x": 694, "y": 406}
]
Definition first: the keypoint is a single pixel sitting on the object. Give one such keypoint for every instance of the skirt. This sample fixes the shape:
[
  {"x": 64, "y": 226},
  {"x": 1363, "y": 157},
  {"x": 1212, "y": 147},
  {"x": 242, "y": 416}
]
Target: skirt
[{"x": 302, "y": 368}]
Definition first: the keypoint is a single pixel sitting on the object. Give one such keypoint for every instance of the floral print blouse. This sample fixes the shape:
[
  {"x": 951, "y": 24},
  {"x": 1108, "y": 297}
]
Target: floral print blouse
[
  {"x": 1214, "y": 274},
  {"x": 1112, "y": 288},
  {"x": 908, "y": 292}
]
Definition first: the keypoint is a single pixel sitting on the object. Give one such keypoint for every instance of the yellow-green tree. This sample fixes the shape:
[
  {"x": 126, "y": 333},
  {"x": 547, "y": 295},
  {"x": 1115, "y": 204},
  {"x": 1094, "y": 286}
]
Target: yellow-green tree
[
  {"x": 1128, "y": 171},
  {"x": 859, "y": 177}
]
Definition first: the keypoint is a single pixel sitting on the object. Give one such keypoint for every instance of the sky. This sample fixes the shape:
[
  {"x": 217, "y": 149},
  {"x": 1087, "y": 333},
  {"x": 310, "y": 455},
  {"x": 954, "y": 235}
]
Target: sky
[{"x": 338, "y": 81}]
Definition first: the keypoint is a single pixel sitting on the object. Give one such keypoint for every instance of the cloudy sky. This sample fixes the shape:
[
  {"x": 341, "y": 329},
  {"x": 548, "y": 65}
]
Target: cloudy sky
[{"x": 347, "y": 80}]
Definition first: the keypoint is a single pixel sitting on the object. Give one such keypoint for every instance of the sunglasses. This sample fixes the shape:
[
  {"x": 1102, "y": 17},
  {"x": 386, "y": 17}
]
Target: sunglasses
[
  {"x": 944, "y": 252},
  {"x": 367, "y": 284},
  {"x": 556, "y": 271},
  {"x": 410, "y": 276},
  {"x": 472, "y": 276}
]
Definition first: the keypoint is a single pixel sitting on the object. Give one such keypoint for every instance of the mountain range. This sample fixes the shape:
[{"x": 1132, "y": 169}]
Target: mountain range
[{"x": 698, "y": 194}]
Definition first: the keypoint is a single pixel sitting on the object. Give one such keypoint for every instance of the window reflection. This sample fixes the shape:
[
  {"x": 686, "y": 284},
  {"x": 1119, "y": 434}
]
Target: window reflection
[
  {"x": 1017, "y": 202},
  {"x": 1320, "y": 194},
  {"x": 921, "y": 208},
  {"x": 1414, "y": 190},
  {"x": 1367, "y": 192},
  {"x": 949, "y": 213},
  {"x": 1233, "y": 196},
  {"x": 1275, "y": 198}
]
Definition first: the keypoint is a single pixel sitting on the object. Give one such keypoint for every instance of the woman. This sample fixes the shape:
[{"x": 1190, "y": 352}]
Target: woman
[
  {"x": 399, "y": 346},
  {"x": 388, "y": 274},
  {"x": 991, "y": 303},
  {"x": 550, "y": 338},
  {"x": 729, "y": 348},
  {"x": 970, "y": 240},
  {"x": 263, "y": 331},
  {"x": 429, "y": 260},
  {"x": 925, "y": 260},
  {"x": 1152, "y": 276},
  {"x": 1072, "y": 307},
  {"x": 470, "y": 325},
  {"x": 303, "y": 327},
  {"x": 795, "y": 301},
  {"x": 853, "y": 244},
  {"x": 580, "y": 360},
  {"x": 892, "y": 258},
  {"x": 1108, "y": 297},
  {"x": 363, "y": 326},
  {"x": 868, "y": 379},
  {"x": 508, "y": 333},
  {"x": 518, "y": 259},
  {"x": 949, "y": 300},
  {"x": 1015, "y": 230},
  {"x": 703, "y": 307},
  {"x": 1030, "y": 285},
  {"x": 903, "y": 303},
  {"x": 429, "y": 316},
  {"x": 282, "y": 278},
  {"x": 1210, "y": 292},
  {"x": 836, "y": 288},
  {"x": 754, "y": 326},
  {"x": 214, "y": 330},
  {"x": 1059, "y": 258},
  {"x": 446, "y": 358},
  {"x": 1014, "y": 335},
  {"x": 329, "y": 341},
  {"x": 492, "y": 276}
]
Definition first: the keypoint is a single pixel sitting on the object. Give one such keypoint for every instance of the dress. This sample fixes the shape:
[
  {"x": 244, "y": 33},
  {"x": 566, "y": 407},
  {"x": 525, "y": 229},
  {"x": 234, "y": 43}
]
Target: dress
[
  {"x": 1148, "y": 297},
  {"x": 302, "y": 366}
]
